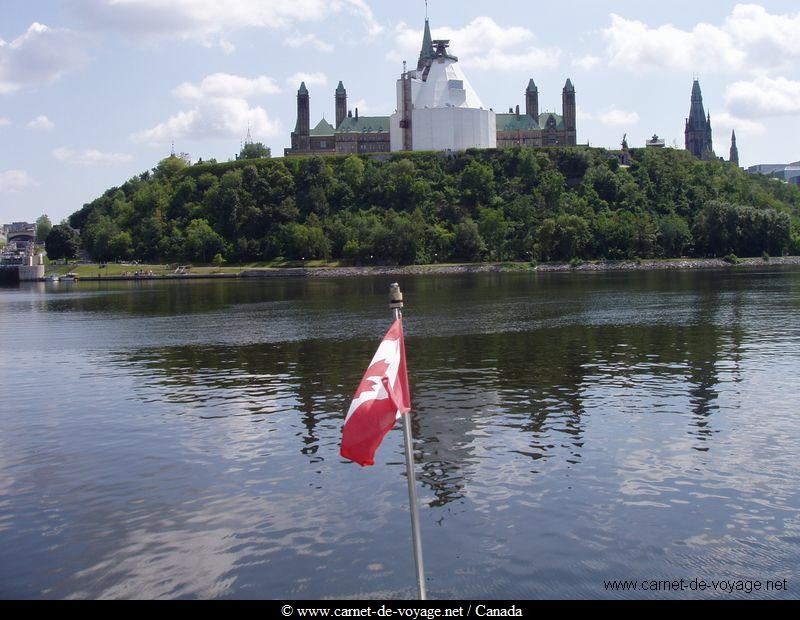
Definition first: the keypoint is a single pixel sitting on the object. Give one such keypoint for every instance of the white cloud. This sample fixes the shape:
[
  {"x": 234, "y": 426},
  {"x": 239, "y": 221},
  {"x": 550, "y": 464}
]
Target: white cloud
[
  {"x": 223, "y": 118},
  {"x": 750, "y": 39},
  {"x": 583, "y": 115},
  {"x": 725, "y": 120},
  {"x": 206, "y": 19},
  {"x": 13, "y": 181},
  {"x": 39, "y": 56},
  {"x": 482, "y": 44},
  {"x": 221, "y": 111},
  {"x": 615, "y": 117},
  {"x": 227, "y": 85},
  {"x": 311, "y": 79},
  {"x": 366, "y": 109},
  {"x": 41, "y": 123},
  {"x": 89, "y": 157},
  {"x": 312, "y": 40},
  {"x": 226, "y": 46},
  {"x": 764, "y": 96},
  {"x": 587, "y": 63},
  {"x": 4, "y": 122}
]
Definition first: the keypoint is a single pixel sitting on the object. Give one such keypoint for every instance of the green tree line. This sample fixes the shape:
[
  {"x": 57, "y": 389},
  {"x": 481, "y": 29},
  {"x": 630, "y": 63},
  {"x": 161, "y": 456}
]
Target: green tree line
[{"x": 501, "y": 205}]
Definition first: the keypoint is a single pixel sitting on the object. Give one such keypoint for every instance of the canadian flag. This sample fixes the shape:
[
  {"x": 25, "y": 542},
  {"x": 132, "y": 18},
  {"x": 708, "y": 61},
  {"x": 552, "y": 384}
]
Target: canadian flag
[{"x": 381, "y": 398}]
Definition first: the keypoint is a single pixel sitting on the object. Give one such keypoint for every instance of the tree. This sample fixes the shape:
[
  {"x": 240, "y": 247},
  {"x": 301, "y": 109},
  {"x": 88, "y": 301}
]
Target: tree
[
  {"x": 306, "y": 242},
  {"x": 62, "y": 242},
  {"x": 674, "y": 235},
  {"x": 563, "y": 238},
  {"x": 468, "y": 244},
  {"x": 43, "y": 228},
  {"x": 202, "y": 242},
  {"x": 493, "y": 228},
  {"x": 477, "y": 183},
  {"x": 353, "y": 172},
  {"x": 120, "y": 247},
  {"x": 254, "y": 150}
]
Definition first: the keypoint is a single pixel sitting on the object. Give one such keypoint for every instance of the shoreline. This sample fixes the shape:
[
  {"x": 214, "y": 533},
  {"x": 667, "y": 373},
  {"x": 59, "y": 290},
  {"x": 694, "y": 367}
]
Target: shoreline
[{"x": 683, "y": 264}]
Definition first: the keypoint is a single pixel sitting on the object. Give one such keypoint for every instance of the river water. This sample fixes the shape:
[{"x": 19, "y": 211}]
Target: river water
[{"x": 181, "y": 439}]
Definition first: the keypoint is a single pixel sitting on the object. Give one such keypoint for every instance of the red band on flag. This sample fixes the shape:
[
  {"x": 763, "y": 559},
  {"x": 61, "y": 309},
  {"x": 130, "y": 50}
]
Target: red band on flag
[{"x": 382, "y": 396}]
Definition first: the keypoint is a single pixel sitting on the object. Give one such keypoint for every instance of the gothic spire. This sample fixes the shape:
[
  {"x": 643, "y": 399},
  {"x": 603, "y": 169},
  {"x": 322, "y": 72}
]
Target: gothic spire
[
  {"x": 697, "y": 113},
  {"x": 427, "y": 51},
  {"x": 734, "y": 157},
  {"x": 698, "y": 126}
]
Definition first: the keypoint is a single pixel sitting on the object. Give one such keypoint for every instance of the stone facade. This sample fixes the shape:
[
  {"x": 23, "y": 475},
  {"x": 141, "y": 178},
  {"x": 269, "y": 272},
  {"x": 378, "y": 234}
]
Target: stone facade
[{"x": 533, "y": 129}]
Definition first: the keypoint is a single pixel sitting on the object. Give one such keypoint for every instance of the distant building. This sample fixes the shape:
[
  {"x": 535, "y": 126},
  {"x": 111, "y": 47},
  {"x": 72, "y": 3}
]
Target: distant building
[
  {"x": 21, "y": 232},
  {"x": 437, "y": 110},
  {"x": 790, "y": 173},
  {"x": 352, "y": 134},
  {"x": 655, "y": 142},
  {"x": 765, "y": 169},
  {"x": 535, "y": 129},
  {"x": 698, "y": 127}
]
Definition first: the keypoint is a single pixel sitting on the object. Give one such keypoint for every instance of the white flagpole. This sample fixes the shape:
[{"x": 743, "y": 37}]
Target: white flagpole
[{"x": 396, "y": 304}]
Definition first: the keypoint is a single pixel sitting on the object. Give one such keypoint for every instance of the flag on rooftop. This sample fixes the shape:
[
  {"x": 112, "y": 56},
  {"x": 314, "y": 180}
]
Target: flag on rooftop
[{"x": 381, "y": 399}]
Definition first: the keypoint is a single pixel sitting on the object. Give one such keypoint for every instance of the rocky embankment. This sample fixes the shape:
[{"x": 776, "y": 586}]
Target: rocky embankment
[{"x": 628, "y": 265}]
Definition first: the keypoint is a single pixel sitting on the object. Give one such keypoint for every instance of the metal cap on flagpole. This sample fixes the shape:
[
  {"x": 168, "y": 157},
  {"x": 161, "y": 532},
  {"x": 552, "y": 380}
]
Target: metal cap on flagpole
[{"x": 395, "y": 296}]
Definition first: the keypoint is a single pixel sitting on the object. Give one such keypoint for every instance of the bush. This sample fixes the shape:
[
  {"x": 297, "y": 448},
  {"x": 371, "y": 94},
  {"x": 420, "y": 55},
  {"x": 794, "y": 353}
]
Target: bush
[{"x": 731, "y": 259}]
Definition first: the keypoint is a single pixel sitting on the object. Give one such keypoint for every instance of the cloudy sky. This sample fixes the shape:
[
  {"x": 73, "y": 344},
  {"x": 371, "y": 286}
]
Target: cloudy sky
[{"x": 93, "y": 91}]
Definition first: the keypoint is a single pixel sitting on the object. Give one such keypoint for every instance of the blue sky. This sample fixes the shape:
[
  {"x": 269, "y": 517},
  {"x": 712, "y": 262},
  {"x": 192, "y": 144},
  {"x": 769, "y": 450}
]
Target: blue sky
[{"x": 93, "y": 91}]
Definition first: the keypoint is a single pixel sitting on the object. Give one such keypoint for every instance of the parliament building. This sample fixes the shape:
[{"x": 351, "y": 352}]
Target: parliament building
[{"x": 437, "y": 110}]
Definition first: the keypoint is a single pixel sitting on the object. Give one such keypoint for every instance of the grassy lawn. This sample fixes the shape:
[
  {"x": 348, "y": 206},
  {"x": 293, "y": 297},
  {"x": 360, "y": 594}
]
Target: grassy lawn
[{"x": 115, "y": 270}]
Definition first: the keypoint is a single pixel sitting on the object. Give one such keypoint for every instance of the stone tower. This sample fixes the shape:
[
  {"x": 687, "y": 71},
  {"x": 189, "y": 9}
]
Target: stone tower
[
  {"x": 698, "y": 127},
  {"x": 341, "y": 104},
  {"x": 532, "y": 100},
  {"x": 734, "y": 150},
  {"x": 300, "y": 136},
  {"x": 570, "y": 113}
]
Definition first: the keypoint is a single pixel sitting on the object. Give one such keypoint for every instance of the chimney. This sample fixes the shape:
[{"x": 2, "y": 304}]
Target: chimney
[{"x": 517, "y": 111}]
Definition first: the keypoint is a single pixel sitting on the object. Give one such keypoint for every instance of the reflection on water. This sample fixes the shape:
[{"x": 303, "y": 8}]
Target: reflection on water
[{"x": 163, "y": 439}]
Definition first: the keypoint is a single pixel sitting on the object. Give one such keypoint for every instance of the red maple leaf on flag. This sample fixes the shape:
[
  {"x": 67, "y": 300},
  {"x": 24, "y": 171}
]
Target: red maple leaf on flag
[{"x": 374, "y": 411}]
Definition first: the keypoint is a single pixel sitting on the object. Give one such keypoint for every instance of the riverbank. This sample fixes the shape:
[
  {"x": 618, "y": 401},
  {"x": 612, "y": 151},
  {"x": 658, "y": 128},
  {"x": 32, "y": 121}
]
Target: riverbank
[{"x": 360, "y": 271}]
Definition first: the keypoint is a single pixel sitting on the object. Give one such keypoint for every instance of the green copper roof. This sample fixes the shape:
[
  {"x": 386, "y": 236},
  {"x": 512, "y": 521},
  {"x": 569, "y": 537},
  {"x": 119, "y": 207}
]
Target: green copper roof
[
  {"x": 569, "y": 87},
  {"x": 512, "y": 122},
  {"x": 303, "y": 90},
  {"x": 364, "y": 124},
  {"x": 340, "y": 88},
  {"x": 532, "y": 87},
  {"x": 543, "y": 118},
  {"x": 427, "y": 43},
  {"x": 323, "y": 128}
]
